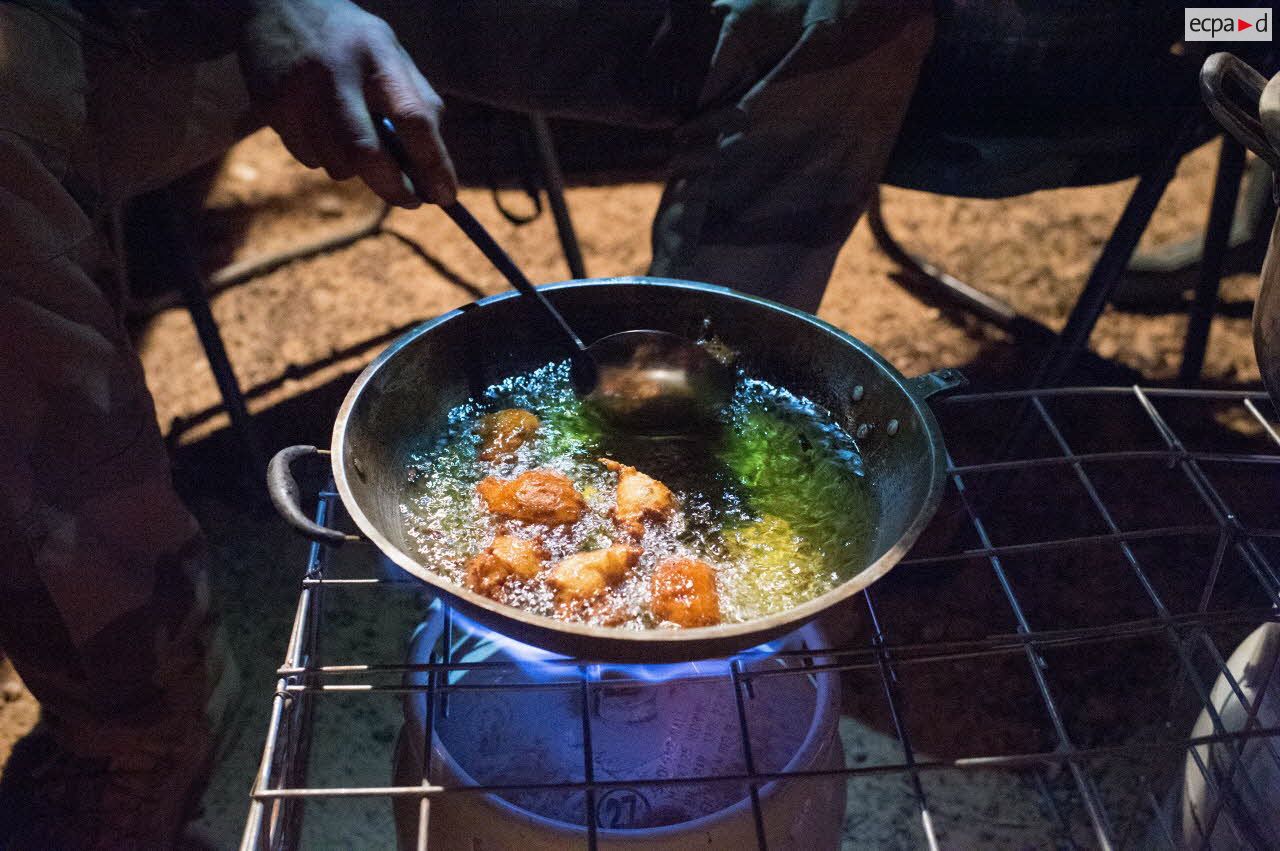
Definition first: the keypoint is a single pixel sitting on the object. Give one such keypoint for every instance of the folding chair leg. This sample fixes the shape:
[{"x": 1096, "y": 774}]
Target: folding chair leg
[
  {"x": 936, "y": 286},
  {"x": 1217, "y": 234},
  {"x": 168, "y": 221},
  {"x": 553, "y": 177},
  {"x": 1113, "y": 261}
]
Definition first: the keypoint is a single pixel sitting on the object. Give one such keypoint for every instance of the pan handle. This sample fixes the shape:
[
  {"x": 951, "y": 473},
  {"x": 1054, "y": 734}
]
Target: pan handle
[
  {"x": 286, "y": 497},
  {"x": 1236, "y": 107},
  {"x": 938, "y": 381}
]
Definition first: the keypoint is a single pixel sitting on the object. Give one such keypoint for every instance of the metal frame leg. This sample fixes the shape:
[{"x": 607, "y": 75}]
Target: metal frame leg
[
  {"x": 1226, "y": 190},
  {"x": 935, "y": 285},
  {"x": 553, "y": 179},
  {"x": 1114, "y": 260},
  {"x": 171, "y": 234}
]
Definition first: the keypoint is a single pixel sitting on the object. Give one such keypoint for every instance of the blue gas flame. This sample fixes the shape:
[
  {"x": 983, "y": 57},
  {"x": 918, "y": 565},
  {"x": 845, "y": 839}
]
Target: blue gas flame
[{"x": 474, "y": 644}]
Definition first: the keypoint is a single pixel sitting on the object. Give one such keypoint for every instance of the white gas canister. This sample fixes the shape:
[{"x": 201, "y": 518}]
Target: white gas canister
[
  {"x": 650, "y": 724},
  {"x": 1239, "y": 800}
]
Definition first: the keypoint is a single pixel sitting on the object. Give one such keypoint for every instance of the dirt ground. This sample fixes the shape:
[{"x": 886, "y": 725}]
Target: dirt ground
[{"x": 1035, "y": 251}]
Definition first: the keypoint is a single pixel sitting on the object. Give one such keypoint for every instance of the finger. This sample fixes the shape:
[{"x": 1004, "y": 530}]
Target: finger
[
  {"x": 404, "y": 96},
  {"x": 364, "y": 153},
  {"x": 297, "y": 140},
  {"x": 323, "y": 133}
]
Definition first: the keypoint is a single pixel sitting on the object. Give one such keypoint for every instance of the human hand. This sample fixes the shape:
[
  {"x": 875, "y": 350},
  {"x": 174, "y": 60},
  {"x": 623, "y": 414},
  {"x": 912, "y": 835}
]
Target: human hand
[{"x": 317, "y": 69}]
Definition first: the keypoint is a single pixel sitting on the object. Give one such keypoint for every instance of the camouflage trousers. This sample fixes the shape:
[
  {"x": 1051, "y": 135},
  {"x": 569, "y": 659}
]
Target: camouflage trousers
[{"x": 785, "y": 112}]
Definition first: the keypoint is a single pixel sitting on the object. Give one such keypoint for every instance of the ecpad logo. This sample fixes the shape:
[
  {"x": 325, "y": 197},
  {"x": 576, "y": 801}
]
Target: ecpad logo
[{"x": 1230, "y": 24}]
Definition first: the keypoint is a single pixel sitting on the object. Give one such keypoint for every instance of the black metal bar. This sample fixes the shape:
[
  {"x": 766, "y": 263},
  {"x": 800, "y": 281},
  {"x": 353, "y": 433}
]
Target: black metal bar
[
  {"x": 1114, "y": 259},
  {"x": 428, "y": 748},
  {"x": 889, "y": 680},
  {"x": 1046, "y": 795},
  {"x": 1177, "y": 645},
  {"x": 735, "y": 674},
  {"x": 1010, "y": 761},
  {"x": 170, "y": 230},
  {"x": 553, "y": 178},
  {"x": 1226, "y": 190},
  {"x": 448, "y": 657},
  {"x": 1094, "y": 807},
  {"x": 1079, "y": 392},
  {"x": 902, "y": 654},
  {"x": 1249, "y": 551},
  {"x": 588, "y": 760},
  {"x": 287, "y": 744},
  {"x": 1266, "y": 579},
  {"x": 1159, "y": 817}
]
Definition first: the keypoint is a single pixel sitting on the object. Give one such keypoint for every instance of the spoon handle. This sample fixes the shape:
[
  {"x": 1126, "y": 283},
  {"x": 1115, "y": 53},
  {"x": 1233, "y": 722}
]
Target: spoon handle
[
  {"x": 476, "y": 232},
  {"x": 504, "y": 264}
]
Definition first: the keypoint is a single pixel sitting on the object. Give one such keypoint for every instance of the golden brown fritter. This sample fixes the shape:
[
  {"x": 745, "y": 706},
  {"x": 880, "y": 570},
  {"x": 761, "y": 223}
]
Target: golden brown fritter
[
  {"x": 505, "y": 431},
  {"x": 588, "y": 575},
  {"x": 507, "y": 557},
  {"x": 684, "y": 593},
  {"x": 538, "y": 496},
  {"x": 640, "y": 498}
]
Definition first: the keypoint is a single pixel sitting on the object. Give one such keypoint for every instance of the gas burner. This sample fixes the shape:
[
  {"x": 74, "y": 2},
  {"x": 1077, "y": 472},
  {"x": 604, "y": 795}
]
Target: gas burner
[{"x": 644, "y": 748}]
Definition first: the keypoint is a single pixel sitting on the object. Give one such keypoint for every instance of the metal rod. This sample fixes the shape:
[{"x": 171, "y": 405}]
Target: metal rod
[
  {"x": 1114, "y": 259},
  {"x": 171, "y": 231},
  {"x": 889, "y": 681},
  {"x": 1085, "y": 392},
  {"x": 553, "y": 177},
  {"x": 588, "y": 759},
  {"x": 981, "y": 763},
  {"x": 903, "y": 654},
  {"x": 1203, "y": 485},
  {"x": 1094, "y": 807},
  {"x": 294, "y": 659},
  {"x": 735, "y": 672},
  {"x": 1179, "y": 648}
]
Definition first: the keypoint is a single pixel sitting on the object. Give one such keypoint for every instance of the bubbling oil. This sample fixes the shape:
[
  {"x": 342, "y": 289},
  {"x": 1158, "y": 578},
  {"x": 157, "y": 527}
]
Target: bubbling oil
[{"x": 775, "y": 498}]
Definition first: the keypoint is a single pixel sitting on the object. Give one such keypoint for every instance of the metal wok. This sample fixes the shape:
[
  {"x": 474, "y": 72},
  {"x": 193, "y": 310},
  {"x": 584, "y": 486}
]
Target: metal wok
[{"x": 410, "y": 387}]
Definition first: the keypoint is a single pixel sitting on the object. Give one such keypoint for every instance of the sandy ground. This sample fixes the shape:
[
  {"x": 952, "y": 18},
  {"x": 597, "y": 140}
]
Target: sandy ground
[{"x": 1034, "y": 250}]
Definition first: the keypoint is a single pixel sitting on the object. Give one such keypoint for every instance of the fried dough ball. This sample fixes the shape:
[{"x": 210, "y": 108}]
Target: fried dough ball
[
  {"x": 588, "y": 575},
  {"x": 505, "y": 431},
  {"x": 507, "y": 557},
  {"x": 640, "y": 498},
  {"x": 684, "y": 593},
  {"x": 538, "y": 496}
]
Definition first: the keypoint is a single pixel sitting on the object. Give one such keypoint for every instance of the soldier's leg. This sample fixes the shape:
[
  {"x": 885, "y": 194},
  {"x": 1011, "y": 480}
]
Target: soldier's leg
[
  {"x": 799, "y": 112},
  {"x": 786, "y": 110},
  {"x": 104, "y": 603}
]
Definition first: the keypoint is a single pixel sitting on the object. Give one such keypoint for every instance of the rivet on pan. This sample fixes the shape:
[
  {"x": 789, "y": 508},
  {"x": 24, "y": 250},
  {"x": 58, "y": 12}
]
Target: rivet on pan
[
  {"x": 857, "y": 393},
  {"x": 891, "y": 427},
  {"x": 863, "y": 431}
]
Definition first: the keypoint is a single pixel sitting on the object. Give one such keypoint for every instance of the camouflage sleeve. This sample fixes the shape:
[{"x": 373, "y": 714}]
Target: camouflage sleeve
[
  {"x": 796, "y": 121},
  {"x": 104, "y": 604}
]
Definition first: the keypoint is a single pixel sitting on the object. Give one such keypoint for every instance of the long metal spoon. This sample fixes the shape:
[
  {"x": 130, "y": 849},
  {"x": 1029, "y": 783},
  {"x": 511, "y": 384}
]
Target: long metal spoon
[{"x": 648, "y": 381}]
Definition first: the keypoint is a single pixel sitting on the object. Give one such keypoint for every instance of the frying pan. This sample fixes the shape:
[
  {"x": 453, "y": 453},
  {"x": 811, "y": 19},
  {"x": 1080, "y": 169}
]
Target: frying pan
[{"x": 407, "y": 391}]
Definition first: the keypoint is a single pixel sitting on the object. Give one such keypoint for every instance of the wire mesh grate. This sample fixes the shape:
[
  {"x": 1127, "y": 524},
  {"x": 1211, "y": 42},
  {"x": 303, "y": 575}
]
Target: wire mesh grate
[{"x": 1062, "y": 629}]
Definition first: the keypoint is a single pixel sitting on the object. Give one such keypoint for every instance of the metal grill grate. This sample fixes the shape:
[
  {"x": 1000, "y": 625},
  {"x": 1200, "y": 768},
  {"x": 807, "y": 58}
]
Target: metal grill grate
[{"x": 1115, "y": 555}]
